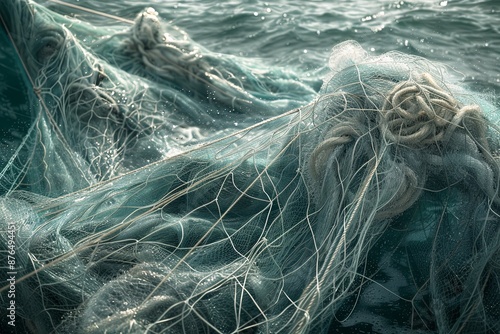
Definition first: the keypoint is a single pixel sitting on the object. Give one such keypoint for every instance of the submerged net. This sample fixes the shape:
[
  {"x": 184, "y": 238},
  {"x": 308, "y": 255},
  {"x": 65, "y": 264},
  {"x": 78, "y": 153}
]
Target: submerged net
[{"x": 139, "y": 207}]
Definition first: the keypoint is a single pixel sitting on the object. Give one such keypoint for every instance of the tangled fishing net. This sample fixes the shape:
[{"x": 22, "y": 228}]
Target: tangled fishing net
[{"x": 369, "y": 206}]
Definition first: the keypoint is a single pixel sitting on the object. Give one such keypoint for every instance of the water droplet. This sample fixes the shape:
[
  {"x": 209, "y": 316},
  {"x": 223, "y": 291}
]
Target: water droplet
[
  {"x": 443, "y": 3},
  {"x": 255, "y": 14}
]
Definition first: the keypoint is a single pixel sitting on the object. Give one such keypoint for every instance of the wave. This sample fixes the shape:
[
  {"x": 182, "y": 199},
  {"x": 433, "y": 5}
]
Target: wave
[{"x": 161, "y": 187}]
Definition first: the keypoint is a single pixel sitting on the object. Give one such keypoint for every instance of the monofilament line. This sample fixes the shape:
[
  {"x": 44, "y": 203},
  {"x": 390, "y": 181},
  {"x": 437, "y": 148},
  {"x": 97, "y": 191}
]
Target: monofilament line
[{"x": 92, "y": 11}]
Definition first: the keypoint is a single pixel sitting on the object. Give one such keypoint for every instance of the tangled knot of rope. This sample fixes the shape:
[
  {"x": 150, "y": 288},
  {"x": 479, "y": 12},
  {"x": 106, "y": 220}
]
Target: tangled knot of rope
[
  {"x": 419, "y": 113},
  {"x": 416, "y": 113}
]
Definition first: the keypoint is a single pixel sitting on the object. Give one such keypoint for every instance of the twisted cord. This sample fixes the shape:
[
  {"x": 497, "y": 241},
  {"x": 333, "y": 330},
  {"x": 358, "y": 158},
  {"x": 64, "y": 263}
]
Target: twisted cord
[
  {"x": 421, "y": 113},
  {"x": 416, "y": 114},
  {"x": 173, "y": 59}
]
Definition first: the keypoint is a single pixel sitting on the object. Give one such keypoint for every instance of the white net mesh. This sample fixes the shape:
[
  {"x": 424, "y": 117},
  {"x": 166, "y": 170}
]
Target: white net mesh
[{"x": 138, "y": 208}]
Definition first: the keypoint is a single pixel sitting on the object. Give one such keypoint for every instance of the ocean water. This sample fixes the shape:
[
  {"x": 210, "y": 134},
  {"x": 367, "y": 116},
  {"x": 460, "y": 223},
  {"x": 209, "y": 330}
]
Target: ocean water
[
  {"x": 461, "y": 34},
  {"x": 151, "y": 203}
]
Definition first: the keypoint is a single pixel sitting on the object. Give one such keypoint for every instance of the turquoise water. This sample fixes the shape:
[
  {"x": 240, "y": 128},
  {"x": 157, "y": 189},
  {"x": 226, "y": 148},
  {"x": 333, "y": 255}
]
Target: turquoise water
[
  {"x": 300, "y": 35},
  {"x": 246, "y": 193}
]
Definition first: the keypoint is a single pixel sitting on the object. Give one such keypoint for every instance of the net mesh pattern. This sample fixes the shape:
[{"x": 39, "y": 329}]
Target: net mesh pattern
[{"x": 371, "y": 205}]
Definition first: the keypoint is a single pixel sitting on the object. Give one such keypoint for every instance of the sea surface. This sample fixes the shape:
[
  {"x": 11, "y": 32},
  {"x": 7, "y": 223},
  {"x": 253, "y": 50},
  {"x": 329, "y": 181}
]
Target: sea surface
[
  {"x": 294, "y": 37},
  {"x": 299, "y": 35}
]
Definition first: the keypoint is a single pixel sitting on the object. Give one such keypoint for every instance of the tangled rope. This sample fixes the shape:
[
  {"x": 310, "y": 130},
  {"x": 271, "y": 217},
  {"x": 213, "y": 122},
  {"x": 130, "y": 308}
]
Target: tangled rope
[
  {"x": 416, "y": 113},
  {"x": 420, "y": 113},
  {"x": 172, "y": 59},
  {"x": 338, "y": 135},
  {"x": 374, "y": 160}
]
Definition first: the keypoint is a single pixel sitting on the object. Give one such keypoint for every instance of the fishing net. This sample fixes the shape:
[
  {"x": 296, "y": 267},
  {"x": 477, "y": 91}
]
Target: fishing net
[{"x": 139, "y": 207}]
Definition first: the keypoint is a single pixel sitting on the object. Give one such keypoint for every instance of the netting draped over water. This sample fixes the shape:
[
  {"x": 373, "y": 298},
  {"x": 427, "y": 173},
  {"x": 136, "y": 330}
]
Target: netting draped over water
[{"x": 369, "y": 206}]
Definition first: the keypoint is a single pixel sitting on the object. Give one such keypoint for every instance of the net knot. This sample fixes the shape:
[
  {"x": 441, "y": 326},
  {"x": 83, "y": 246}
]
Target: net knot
[
  {"x": 147, "y": 29},
  {"x": 420, "y": 112}
]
